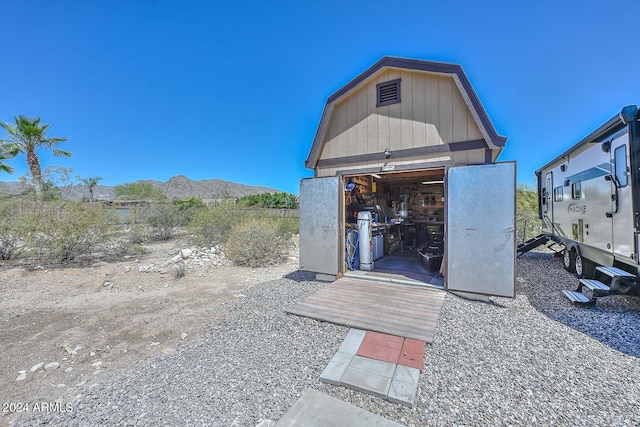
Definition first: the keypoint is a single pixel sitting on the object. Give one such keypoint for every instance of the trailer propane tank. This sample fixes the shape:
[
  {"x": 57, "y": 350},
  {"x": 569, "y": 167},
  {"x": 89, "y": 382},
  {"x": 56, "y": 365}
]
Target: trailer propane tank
[{"x": 365, "y": 242}]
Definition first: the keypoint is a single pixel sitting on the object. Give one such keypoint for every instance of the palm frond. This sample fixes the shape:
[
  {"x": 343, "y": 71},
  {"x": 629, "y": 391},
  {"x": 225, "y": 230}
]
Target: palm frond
[
  {"x": 61, "y": 153},
  {"x": 6, "y": 168}
]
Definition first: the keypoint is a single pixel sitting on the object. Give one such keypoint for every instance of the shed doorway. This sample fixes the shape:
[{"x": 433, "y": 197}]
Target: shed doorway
[{"x": 408, "y": 211}]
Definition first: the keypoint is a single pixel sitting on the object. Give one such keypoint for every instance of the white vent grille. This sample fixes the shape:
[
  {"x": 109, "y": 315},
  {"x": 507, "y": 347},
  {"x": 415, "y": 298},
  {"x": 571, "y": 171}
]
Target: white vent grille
[{"x": 388, "y": 92}]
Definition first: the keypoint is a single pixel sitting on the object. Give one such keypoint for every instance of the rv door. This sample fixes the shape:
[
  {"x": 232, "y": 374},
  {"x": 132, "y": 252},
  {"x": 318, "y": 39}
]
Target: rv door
[
  {"x": 320, "y": 246},
  {"x": 480, "y": 231},
  {"x": 621, "y": 209}
]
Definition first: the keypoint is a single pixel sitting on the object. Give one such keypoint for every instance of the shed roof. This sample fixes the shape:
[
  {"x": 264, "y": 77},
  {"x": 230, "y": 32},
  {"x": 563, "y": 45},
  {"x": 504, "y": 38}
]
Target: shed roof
[{"x": 478, "y": 112}]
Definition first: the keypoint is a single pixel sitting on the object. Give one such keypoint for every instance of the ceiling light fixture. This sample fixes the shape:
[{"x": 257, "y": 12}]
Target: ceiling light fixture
[
  {"x": 432, "y": 182},
  {"x": 375, "y": 175}
]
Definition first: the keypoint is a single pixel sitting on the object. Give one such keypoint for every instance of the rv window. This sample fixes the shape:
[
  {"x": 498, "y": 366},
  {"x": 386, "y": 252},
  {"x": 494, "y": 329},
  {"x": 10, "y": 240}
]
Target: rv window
[
  {"x": 557, "y": 194},
  {"x": 620, "y": 156},
  {"x": 576, "y": 190}
]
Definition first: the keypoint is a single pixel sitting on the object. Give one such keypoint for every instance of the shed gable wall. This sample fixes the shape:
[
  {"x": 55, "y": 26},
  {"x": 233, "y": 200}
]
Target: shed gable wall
[{"x": 432, "y": 112}]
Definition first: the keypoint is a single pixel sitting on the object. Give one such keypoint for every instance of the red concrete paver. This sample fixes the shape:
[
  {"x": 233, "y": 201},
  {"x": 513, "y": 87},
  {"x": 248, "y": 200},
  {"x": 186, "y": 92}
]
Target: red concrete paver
[
  {"x": 378, "y": 346},
  {"x": 412, "y": 354}
]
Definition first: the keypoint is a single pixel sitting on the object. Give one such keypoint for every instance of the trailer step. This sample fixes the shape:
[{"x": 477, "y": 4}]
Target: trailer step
[
  {"x": 613, "y": 271},
  {"x": 577, "y": 297},
  {"x": 595, "y": 285},
  {"x": 532, "y": 244}
]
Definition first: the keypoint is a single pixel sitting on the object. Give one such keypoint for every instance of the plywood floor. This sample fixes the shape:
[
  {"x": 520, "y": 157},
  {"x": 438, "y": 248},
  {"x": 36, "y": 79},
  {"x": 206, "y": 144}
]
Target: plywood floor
[{"x": 390, "y": 308}]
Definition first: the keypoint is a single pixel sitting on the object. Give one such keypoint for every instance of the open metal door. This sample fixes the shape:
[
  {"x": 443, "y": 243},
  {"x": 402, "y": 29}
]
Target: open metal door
[
  {"x": 320, "y": 204},
  {"x": 480, "y": 229}
]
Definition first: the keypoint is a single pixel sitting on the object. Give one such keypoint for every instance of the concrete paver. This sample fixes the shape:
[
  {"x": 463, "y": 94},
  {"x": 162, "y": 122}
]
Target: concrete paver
[
  {"x": 336, "y": 368},
  {"x": 404, "y": 386},
  {"x": 412, "y": 354},
  {"x": 352, "y": 341},
  {"x": 376, "y": 345},
  {"x": 375, "y": 367},
  {"x": 369, "y": 376},
  {"x": 365, "y": 382},
  {"x": 316, "y": 409},
  {"x": 397, "y": 383}
]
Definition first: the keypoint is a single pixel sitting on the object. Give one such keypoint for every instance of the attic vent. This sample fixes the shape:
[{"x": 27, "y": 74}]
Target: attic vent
[{"x": 388, "y": 92}]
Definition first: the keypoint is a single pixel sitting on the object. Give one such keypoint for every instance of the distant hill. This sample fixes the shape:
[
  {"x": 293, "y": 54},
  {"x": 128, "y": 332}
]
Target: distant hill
[{"x": 177, "y": 187}]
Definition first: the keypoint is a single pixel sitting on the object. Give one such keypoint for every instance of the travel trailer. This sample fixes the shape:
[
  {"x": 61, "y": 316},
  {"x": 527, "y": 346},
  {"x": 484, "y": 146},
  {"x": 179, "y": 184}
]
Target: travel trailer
[{"x": 589, "y": 201}]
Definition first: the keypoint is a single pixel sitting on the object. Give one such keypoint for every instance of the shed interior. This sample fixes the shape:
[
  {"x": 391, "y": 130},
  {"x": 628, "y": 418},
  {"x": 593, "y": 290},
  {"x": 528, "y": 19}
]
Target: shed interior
[{"x": 408, "y": 219}]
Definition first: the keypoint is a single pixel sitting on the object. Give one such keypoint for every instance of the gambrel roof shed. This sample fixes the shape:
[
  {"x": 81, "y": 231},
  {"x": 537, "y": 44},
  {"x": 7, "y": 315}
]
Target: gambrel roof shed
[{"x": 404, "y": 113}]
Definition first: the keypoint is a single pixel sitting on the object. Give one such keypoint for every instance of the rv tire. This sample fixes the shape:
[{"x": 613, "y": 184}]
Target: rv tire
[
  {"x": 584, "y": 267},
  {"x": 569, "y": 260}
]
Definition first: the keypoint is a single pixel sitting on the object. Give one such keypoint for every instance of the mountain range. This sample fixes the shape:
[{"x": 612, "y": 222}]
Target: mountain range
[{"x": 177, "y": 187}]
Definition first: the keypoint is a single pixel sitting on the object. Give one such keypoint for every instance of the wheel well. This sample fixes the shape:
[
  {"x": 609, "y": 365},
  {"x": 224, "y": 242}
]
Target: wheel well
[{"x": 572, "y": 247}]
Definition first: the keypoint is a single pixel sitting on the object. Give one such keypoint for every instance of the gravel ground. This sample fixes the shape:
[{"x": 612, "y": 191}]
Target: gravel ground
[{"x": 534, "y": 360}]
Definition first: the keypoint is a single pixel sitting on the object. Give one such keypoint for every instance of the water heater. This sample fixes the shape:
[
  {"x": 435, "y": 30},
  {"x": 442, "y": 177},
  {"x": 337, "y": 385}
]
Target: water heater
[{"x": 365, "y": 243}]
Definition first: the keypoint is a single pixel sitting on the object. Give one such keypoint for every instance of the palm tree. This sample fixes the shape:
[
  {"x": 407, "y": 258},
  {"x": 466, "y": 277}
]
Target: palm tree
[
  {"x": 91, "y": 183},
  {"x": 28, "y": 135},
  {"x": 7, "y": 151}
]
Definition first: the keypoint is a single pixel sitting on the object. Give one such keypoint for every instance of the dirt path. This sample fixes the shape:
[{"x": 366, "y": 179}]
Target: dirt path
[{"x": 96, "y": 320}]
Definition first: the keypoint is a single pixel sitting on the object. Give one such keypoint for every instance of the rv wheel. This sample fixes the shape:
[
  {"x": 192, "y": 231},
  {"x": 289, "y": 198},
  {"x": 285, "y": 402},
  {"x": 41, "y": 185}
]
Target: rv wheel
[
  {"x": 568, "y": 259},
  {"x": 584, "y": 267}
]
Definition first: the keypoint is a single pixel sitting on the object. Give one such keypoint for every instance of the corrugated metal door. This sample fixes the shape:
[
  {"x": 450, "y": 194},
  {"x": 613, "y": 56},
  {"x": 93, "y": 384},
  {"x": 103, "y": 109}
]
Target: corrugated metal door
[
  {"x": 320, "y": 204},
  {"x": 481, "y": 229}
]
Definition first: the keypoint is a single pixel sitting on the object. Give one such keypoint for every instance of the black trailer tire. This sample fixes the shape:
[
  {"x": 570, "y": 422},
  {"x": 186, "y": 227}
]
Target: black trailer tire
[
  {"x": 584, "y": 267},
  {"x": 569, "y": 260}
]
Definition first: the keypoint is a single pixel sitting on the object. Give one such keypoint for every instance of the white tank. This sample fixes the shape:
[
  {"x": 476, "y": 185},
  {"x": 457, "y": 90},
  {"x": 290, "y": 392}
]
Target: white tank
[{"x": 365, "y": 244}]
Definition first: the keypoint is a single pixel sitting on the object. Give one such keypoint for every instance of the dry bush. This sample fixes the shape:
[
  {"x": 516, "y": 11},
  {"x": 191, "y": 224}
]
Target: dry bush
[
  {"x": 257, "y": 242},
  {"x": 164, "y": 219},
  {"x": 213, "y": 224},
  {"x": 14, "y": 230},
  {"x": 63, "y": 232}
]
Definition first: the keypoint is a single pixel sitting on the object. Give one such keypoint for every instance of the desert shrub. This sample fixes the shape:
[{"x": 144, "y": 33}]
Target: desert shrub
[
  {"x": 189, "y": 204},
  {"x": 528, "y": 223},
  {"x": 136, "y": 234},
  {"x": 213, "y": 224},
  {"x": 164, "y": 219},
  {"x": 140, "y": 190},
  {"x": 289, "y": 226},
  {"x": 179, "y": 270},
  {"x": 62, "y": 232},
  {"x": 256, "y": 242},
  {"x": 14, "y": 230},
  {"x": 270, "y": 200}
]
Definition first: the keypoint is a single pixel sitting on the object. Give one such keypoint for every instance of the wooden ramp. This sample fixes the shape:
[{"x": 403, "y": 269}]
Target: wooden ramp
[{"x": 390, "y": 308}]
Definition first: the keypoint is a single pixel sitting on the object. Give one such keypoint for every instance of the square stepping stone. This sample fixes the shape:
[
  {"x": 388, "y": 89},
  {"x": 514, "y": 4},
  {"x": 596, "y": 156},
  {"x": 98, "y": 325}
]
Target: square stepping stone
[
  {"x": 319, "y": 410},
  {"x": 336, "y": 368},
  {"x": 404, "y": 386},
  {"x": 369, "y": 376},
  {"x": 412, "y": 354},
  {"x": 376, "y": 345}
]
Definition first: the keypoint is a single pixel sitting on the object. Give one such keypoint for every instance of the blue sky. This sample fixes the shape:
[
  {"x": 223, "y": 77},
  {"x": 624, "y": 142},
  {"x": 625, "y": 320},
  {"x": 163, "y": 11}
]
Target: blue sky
[{"x": 234, "y": 90}]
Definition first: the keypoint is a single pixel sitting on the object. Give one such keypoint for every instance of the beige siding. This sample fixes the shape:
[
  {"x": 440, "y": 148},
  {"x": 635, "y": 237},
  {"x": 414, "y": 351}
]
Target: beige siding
[
  {"x": 445, "y": 108},
  {"x": 431, "y": 112},
  {"x": 419, "y": 111},
  {"x": 472, "y": 129},
  {"x": 372, "y": 121},
  {"x": 406, "y": 111},
  {"x": 475, "y": 157},
  {"x": 460, "y": 115}
]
